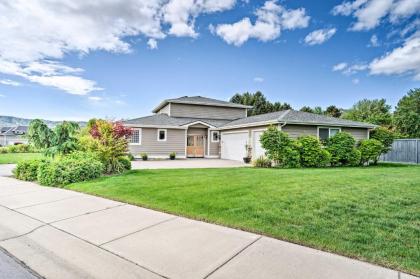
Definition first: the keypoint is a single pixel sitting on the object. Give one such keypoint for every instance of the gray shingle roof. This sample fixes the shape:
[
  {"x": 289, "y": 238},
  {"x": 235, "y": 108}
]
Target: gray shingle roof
[
  {"x": 298, "y": 117},
  {"x": 18, "y": 130},
  {"x": 198, "y": 100},
  {"x": 165, "y": 120},
  {"x": 273, "y": 116}
]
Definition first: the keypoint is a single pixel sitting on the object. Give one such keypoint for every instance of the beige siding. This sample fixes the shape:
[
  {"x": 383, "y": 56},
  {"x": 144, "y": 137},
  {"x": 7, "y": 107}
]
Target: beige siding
[
  {"x": 165, "y": 109},
  {"x": 357, "y": 133},
  {"x": 296, "y": 131},
  {"x": 175, "y": 142},
  {"x": 197, "y": 111},
  {"x": 214, "y": 146},
  {"x": 11, "y": 140}
]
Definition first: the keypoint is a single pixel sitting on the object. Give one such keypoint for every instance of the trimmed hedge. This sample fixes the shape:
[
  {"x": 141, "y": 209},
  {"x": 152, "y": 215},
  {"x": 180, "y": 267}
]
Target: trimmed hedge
[
  {"x": 27, "y": 170},
  {"x": 19, "y": 148},
  {"x": 68, "y": 170}
]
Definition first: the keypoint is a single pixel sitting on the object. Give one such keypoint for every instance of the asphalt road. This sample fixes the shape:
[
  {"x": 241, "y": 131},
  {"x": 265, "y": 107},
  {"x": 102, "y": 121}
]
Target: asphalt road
[{"x": 10, "y": 268}]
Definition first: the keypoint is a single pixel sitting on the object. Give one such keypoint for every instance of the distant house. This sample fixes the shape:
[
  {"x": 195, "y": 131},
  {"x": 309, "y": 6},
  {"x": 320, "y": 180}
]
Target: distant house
[
  {"x": 202, "y": 127},
  {"x": 13, "y": 135}
]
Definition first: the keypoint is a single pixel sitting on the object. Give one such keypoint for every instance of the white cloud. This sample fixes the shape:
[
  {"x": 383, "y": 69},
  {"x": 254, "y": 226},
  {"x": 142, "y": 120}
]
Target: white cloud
[
  {"x": 258, "y": 79},
  {"x": 95, "y": 98},
  {"x": 272, "y": 18},
  {"x": 339, "y": 67},
  {"x": 374, "y": 42},
  {"x": 401, "y": 60},
  {"x": 32, "y": 32},
  {"x": 152, "y": 43},
  {"x": 355, "y": 81},
  {"x": 9, "y": 82},
  {"x": 319, "y": 36},
  {"x": 369, "y": 13},
  {"x": 353, "y": 69},
  {"x": 49, "y": 73},
  {"x": 71, "y": 84},
  {"x": 346, "y": 8},
  {"x": 348, "y": 70},
  {"x": 404, "y": 59},
  {"x": 404, "y": 8},
  {"x": 181, "y": 14}
]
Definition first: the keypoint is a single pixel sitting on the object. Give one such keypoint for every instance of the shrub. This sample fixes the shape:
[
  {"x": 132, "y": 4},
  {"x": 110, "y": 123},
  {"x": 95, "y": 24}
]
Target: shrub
[
  {"x": 22, "y": 148},
  {"x": 108, "y": 140},
  {"x": 69, "y": 169},
  {"x": 172, "y": 156},
  {"x": 262, "y": 162},
  {"x": 125, "y": 161},
  {"x": 27, "y": 170},
  {"x": 3, "y": 150},
  {"x": 130, "y": 156},
  {"x": 311, "y": 152},
  {"x": 12, "y": 148},
  {"x": 291, "y": 156},
  {"x": 354, "y": 157},
  {"x": 370, "y": 150},
  {"x": 342, "y": 149},
  {"x": 144, "y": 156},
  {"x": 280, "y": 148},
  {"x": 385, "y": 136}
]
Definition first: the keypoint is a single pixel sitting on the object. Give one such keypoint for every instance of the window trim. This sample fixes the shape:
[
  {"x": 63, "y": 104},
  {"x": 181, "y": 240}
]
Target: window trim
[
  {"x": 329, "y": 130},
  {"x": 140, "y": 137},
  {"x": 166, "y": 134},
  {"x": 218, "y": 136}
]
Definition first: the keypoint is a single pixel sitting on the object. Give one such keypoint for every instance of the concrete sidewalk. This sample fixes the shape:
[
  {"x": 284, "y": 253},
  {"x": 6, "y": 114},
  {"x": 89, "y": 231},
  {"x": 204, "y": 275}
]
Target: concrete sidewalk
[{"x": 64, "y": 234}]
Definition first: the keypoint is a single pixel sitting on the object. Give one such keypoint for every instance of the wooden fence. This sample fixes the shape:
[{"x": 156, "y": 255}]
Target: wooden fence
[{"x": 403, "y": 151}]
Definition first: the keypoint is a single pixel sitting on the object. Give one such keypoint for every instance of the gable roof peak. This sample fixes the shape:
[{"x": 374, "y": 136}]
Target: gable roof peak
[{"x": 199, "y": 100}]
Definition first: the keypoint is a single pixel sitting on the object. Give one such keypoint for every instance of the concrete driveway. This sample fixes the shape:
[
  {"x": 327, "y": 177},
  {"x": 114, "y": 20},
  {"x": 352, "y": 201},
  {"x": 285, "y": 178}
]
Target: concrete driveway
[
  {"x": 6, "y": 169},
  {"x": 186, "y": 164},
  {"x": 65, "y": 234}
]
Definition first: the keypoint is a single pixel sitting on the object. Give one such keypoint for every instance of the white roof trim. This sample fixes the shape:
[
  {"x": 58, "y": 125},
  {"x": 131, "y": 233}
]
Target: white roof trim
[
  {"x": 155, "y": 126},
  {"x": 198, "y": 122},
  {"x": 250, "y": 124},
  {"x": 367, "y": 126}
]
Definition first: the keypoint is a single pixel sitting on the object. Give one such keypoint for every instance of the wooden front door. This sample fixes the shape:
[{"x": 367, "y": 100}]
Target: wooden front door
[{"x": 195, "y": 146}]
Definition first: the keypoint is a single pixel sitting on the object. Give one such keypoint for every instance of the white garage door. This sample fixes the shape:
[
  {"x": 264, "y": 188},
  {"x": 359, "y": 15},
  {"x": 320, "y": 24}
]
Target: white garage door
[
  {"x": 233, "y": 146},
  {"x": 258, "y": 150}
]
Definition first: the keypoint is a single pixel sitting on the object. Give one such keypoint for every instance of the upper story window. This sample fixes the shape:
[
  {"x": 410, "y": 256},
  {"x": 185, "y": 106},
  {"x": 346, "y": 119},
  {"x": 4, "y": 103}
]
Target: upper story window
[
  {"x": 135, "y": 137},
  {"x": 325, "y": 133},
  {"x": 161, "y": 134},
  {"x": 215, "y": 136}
]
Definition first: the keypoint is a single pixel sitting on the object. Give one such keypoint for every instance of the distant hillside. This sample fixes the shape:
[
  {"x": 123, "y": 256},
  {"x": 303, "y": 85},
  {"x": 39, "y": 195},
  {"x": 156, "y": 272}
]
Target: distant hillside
[{"x": 15, "y": 121}]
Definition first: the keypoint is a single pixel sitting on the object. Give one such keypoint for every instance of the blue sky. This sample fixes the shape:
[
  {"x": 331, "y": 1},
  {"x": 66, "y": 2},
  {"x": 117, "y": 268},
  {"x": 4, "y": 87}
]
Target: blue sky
[{"x": 125, "y": 65}]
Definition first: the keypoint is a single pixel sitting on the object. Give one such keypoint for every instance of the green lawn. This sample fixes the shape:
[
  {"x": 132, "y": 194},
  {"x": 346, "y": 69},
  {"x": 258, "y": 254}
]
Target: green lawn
[
  {"x": 371, "y": 213},
  {"x": 13, "y": 158}
]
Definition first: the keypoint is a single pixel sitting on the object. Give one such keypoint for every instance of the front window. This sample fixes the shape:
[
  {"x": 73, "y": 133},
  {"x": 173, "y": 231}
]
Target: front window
[
  {"x": 161, "y": 135},
  {"x": 326, "y": 133},
  {"x": 135, "y": 137},
  {"x": 215, "y": 136}
]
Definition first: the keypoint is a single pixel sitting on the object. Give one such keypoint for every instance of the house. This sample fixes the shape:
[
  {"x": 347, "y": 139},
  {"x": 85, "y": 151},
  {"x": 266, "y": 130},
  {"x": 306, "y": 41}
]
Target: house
[
  {"x": 13, "y": 135},
  {"x": 199, "y": 127}
]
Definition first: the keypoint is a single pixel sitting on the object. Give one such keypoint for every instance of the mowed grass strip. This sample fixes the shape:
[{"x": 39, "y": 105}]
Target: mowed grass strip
[
  {"x": 372, "y": 214},
  {"x": 14, "y": 158}
]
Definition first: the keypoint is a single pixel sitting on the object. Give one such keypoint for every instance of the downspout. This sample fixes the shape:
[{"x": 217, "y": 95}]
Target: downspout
[{"x": 282, "y": 125}]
